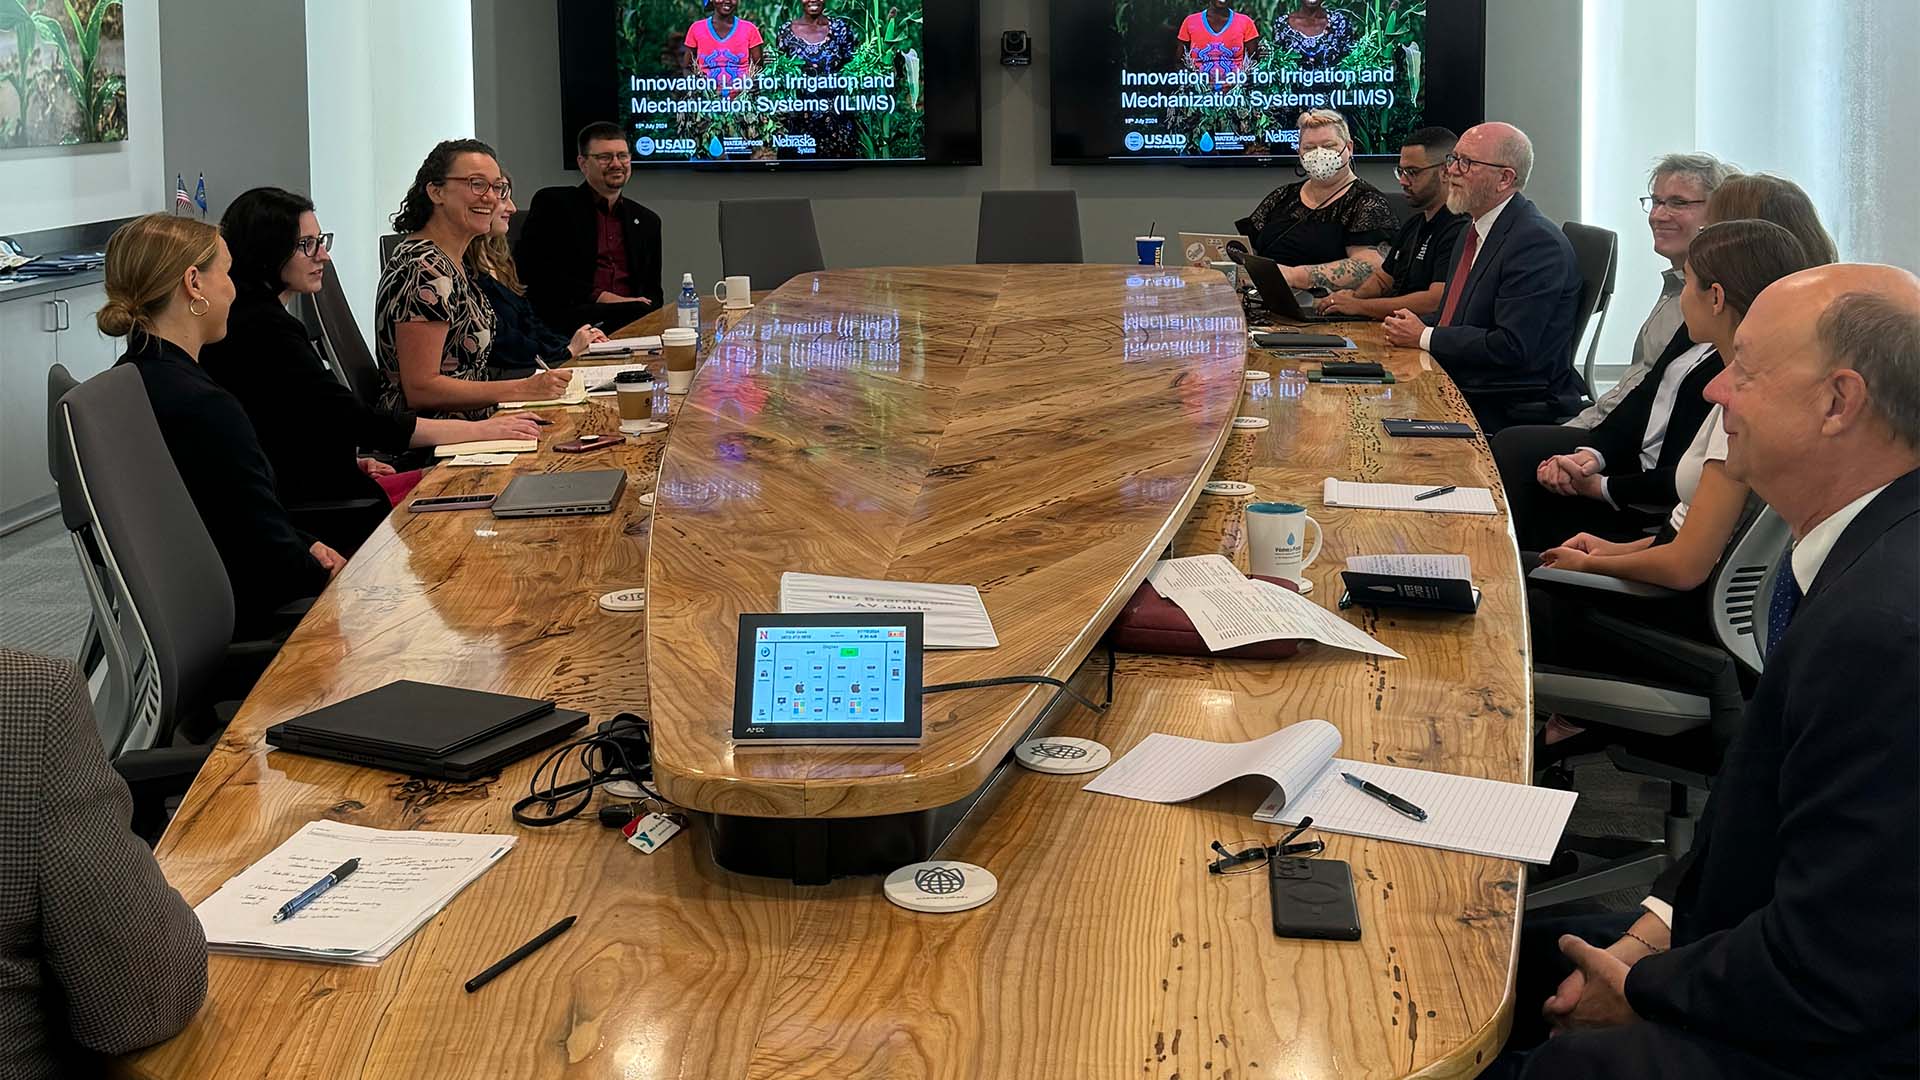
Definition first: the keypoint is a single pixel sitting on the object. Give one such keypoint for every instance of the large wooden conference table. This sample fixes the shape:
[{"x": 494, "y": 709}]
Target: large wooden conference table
[{"x": 1109, "y": 949}]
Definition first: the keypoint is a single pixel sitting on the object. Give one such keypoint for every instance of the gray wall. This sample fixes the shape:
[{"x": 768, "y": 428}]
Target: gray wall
[
  {"x": 234, "y": 77},
  {"x": 880, "y": 217}
]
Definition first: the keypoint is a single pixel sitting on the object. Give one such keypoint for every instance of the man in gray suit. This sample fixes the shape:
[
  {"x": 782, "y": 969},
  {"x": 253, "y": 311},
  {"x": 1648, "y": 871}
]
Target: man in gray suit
[{"x": 98, "y": 954}]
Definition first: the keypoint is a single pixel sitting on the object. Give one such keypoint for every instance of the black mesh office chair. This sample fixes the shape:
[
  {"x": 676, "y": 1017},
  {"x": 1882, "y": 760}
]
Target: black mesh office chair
[
  {"x": 174, "y": 619},
  {"x": 1028, "y": 227},
  {"x": 1662, "y": 732},
  {"x": 769, "y": 240},
  {"x": 101, "y": 649},
  {"x": 341, "y": 343},
  {"x": 1597, "y": 251},
  {"x": 389, "y": 241}
]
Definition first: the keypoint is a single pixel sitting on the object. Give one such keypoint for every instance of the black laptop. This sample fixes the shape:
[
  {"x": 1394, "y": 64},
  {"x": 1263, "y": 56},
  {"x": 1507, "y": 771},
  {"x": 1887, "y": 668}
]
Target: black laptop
[
  {"x": 423, "y": 729},
  {"x": 1277, "y": 295}
]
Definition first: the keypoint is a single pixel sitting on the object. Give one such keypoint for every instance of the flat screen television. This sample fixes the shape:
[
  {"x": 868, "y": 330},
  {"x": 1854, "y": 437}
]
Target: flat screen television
[
  {"x": 1197, "y": 82},
  {"x": 755, "y": 84}
]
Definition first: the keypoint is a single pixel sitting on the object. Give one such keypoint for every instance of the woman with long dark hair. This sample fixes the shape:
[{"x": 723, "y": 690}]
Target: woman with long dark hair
[
  {"x": 311, "y": 427},
  {"x": 433, "y": 328}
]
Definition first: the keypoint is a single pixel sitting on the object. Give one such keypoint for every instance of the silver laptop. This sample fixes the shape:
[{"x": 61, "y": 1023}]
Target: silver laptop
[
  {"x": 1199, "y": 249},
  {"x": 590, "y": 491}
]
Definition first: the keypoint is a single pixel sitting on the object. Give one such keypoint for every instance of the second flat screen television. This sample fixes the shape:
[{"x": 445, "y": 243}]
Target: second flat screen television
[
  {"x": 1200, "y": 82},
  {"x": 774, "y": 83}
]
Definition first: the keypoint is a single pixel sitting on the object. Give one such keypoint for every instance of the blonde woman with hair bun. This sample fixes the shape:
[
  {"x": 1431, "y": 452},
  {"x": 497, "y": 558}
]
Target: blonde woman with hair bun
[{"x": 168, "y": 294}]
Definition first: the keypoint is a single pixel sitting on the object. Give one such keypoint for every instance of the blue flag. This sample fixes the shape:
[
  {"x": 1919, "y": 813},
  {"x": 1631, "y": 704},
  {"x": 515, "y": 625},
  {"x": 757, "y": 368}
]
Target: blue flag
[{"x": 200, "y": 196}]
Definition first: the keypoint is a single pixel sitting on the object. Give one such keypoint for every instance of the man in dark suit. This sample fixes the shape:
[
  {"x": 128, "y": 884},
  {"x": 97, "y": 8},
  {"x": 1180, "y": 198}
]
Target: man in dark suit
[
  {"x": 1504, "y": 331},
  {"x": 1786, "y": 943},
  {"x": 588, "y": 254},
  {"x": 98, "y": 954}
]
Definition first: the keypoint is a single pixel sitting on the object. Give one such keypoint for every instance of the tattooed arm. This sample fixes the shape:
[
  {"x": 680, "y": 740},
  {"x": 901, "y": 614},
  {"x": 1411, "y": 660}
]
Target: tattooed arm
[{"x": 1361, "y": 261}]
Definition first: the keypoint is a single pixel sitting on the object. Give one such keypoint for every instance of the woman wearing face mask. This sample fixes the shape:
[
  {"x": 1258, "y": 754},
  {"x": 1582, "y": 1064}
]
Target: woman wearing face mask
[
  {"x": 519, "y": 337},
  {"x": 1331, "y": 230},
  {"x": 433, "y": 328},
  {"x": 311, "y": 427},
  {"x": 168, "y": 293}
]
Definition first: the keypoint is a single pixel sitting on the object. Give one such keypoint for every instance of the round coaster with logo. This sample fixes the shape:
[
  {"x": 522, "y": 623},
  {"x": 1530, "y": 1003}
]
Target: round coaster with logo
[
  {"x": 1256, "y": 375},
  {"x": 1249, "y": 423},
  {"x": 623, "y": 789},
  {"x": 644, "y": 427},
  {"x": 646, "y": 498},
  {"x": 625, "y": 600},
  {"x": 941, "y": 886},
  {"x": 1238, "y": 489},
  {"x": 1062, "y": 755}
]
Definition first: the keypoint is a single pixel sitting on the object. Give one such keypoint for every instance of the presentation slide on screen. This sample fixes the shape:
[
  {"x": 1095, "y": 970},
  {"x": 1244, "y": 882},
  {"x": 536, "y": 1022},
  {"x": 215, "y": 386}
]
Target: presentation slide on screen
[
  {"x": 1203, "y": 78},
  {"x": 789, "y": 80}
]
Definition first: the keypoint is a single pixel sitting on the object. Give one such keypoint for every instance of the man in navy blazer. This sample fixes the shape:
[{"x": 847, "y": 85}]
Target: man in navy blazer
[
  {"x": 1786, "y": 942},
  {"x": 1504, "y": 331}
]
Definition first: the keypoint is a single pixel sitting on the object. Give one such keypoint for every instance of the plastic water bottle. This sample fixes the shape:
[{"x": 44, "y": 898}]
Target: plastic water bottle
[{"x": 689, "y": 304}]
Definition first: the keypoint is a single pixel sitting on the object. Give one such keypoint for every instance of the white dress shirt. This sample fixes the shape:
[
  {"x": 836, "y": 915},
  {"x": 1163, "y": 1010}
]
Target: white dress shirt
[
  {"x": 1709, "y": 444},
  {"x": 1658, "y": 417},
  {"x": 1482, "y": 225},
  {"x": 1662, "y": 323},
  {"x": 1808, "y": 556}
]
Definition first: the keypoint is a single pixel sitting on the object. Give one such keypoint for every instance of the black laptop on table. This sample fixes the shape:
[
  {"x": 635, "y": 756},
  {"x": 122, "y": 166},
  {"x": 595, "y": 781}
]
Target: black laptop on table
[
  {"x": 1277, "y": 295},
  {"x": 424, "y": 729}
]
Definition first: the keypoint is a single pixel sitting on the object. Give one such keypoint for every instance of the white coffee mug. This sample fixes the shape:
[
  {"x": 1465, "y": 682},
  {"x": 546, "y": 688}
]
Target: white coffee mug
[
  {"x": 734, "y": 292},
  {"x": 1228, "y": 270},
  {"x": 1276, "y": 532}
]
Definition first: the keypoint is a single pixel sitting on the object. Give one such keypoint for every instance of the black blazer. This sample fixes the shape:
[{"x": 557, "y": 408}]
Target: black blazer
[
  {"x": 1513, "y": 326},
  {"x": 1619, "y": 435},
  {"x": 519, "y": 337},
  {"x": 231, "y": 483},
  {"x": 1797, "y": 912},
  {"x": 557, "y": 248}
]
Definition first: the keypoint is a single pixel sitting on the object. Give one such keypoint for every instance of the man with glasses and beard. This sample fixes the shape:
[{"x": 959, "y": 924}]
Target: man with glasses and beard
[
  {"x": 588, "y": 254},
  {"x": 1415, "y": 272},
  {"x": 1504, "y": 331}
]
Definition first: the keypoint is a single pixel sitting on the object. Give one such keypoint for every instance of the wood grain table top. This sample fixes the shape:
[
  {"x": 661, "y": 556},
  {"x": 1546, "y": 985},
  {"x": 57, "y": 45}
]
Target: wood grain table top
[{"x": 1109, "y": 950}]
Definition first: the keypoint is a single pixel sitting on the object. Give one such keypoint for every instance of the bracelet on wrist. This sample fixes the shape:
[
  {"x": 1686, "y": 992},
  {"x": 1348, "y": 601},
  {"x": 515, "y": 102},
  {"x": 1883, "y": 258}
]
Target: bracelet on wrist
[{"x": 1649, "y": 946}]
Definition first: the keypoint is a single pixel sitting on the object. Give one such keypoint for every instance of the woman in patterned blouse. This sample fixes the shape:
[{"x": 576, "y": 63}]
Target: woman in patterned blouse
[
  {"x": 433, "y": 326},
  {"x": 1320, "y": 37},
  {"x": 823, "y": 44}
]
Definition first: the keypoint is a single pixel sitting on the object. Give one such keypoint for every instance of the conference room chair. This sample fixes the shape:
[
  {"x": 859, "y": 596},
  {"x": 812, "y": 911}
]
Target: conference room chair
[
  {"x": 100, "y": 646},
  {"x": 1028, "y": 227},
  {"x": 389, "y": 241},
  {"x": 175, "y": 619},
  {"x": 341, "y": 342},
  {"x": 306, "y": 306},
  {"x": 1672, "y": 736},
  {"x": 515, "y": 226},
  {"x": 1397, "y": 202},
  {"x": 769, "y": 240},
  {"x": 1597, "y": 251}
]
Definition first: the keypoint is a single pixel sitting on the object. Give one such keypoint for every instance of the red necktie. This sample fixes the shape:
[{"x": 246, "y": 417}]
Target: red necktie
[{"x": 1458, "y": 283}]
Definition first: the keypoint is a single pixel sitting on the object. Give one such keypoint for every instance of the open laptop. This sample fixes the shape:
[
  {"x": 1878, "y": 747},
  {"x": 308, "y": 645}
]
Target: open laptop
[
  {"x": 1198, "y": 249},
  {"x": 1279, "y": 296},
  {"x": 588, "y": 491}
]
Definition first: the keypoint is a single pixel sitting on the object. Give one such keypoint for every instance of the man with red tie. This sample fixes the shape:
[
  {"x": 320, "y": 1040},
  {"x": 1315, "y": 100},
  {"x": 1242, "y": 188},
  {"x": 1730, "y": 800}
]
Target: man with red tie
[{"x": 1504, "y": 331}]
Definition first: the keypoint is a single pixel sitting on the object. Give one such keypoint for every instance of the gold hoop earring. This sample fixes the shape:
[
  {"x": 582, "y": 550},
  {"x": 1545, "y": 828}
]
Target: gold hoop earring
[{"x": 205, "y": 306}]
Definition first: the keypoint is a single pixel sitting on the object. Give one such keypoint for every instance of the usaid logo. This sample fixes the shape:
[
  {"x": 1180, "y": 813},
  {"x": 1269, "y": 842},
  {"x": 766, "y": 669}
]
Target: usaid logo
[
  {"x": 644, "y": 147},
  {"x": 1135, "y": 140},
  {"x": 647, "y": 147}
]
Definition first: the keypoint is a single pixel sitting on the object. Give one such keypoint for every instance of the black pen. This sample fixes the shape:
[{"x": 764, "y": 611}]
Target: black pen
[
  {"x": 1387, "y": 797},
  {"x": 520, "y": 953},
  {"x": 1433, "y": 493}
]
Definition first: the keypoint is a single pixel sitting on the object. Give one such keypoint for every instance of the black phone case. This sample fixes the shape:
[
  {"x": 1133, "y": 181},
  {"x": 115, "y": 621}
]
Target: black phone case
[
  {"x": 1313, "y": 898},
  {"x": 572, "y": 446},
  {"x": 1427, "y": 429}
]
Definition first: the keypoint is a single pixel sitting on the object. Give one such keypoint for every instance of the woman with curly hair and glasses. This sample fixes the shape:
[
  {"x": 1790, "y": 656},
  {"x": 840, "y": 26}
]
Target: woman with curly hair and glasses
[{"x": 433, "y": 328}]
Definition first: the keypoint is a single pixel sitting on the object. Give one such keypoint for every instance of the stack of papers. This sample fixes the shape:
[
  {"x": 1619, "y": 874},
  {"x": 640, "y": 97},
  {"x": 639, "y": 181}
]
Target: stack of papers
[
  {"x": 1445, "y": 567},
  {"x": 404, "y": 879},
  {"x": 955, "y": 616},
  {"x": 487, "y": 446},
  {"x": 1464, "y": 813},
  {"x": 1466, "y": 500},
  {"x": 1230, "y": 610},
  {"x": 599, "y": 378}
]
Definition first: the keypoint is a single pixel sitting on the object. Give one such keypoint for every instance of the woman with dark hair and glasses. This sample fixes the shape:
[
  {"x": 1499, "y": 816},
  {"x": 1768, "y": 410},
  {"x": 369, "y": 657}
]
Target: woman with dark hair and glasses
[
  {"x": 312, "y": 427},
  {"x": 433, "y": 328}
]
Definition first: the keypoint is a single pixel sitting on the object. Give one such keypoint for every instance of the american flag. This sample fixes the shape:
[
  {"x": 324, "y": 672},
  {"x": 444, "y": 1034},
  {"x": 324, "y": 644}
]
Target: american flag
[{"x": 181, "y": 200}]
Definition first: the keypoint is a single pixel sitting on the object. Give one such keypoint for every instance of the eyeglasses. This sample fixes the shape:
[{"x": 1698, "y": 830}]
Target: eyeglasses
[
  {"x": 311, "y": 246},
  {"x": 1403, "y": 173},
  {"x": 1463, "y": 163},
  {"x": 1246, "y": 856},
  {"x": 480, "y": 185},
  {"x": 1674, "y": 205},
  {"x": 604, "y": 160}
]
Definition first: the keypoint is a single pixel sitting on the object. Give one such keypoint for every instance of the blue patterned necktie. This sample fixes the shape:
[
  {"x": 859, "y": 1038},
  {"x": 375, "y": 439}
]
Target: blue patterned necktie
[{"x": 1786, "y": 599}]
